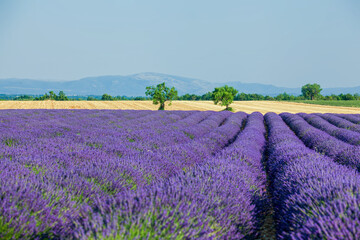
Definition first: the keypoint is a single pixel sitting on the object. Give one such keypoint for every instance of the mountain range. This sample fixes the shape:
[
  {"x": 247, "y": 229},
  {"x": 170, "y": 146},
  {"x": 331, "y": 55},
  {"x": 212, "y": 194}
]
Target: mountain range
[{"x": 134, "y": 85}]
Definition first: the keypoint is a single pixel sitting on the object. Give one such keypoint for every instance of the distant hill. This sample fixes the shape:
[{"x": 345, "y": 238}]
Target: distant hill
[{"x": 134, "y": 85}]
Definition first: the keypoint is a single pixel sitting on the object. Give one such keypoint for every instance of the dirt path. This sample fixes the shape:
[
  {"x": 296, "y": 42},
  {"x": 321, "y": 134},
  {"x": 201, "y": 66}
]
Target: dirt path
[{"x": 246, "y": 106}]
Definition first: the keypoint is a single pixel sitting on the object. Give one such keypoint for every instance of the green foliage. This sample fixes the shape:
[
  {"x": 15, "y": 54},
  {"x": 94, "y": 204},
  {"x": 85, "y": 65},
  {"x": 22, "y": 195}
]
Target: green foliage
[
  {"x": 61, "y": 97},
  {"x": 53, "y": 96},
  {"x": 90, "y": 98},
  {"x": 24, "y": 98},
  {"x": 160, "y": 94},
  {"x": 94, "y": 145},
  {"x": 139, "y": 98},
  {"x": 194, "y": 97},
  {"x": 107, "y": 97},
  {"x": 347, "y": 97},
  {"x": 228, "y": 109},
  {"x": 285, "y": 97},
  {"x": 311, "y": 91},
  {"x": 43, "y": 97},
  {"x": 280, "y": 97},
  {"x": 224, "y": 96},
  {"x": 8, "y": 232},
  {"x": 36, "y": 169},
  {"x": 253, "y": 97},
  {"x": 10, "y": 142},
  {"x": 191, "y": 136}
]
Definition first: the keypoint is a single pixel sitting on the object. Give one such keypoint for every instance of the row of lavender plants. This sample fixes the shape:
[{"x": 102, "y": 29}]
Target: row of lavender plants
[
  {"x": 354, "y": 118},
  {"x": 314, "y": 138},
  {"x": 342, "y": 134},
  {"x": 54, "y": 175},
  {"x": 341, "y": 122},
  {"x": 313, "y": 197}
]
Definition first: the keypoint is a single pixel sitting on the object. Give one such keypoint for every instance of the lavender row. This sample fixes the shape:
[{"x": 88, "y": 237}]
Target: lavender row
[
  {"x": 217, "y": 198},
  {"x": 340, "y": 122},
  {"x": 342, "y": 134},
  {"x": 354, "y": 118},
  {"x": 314, "y": 197},
  {"x": 322, "y": 142}
]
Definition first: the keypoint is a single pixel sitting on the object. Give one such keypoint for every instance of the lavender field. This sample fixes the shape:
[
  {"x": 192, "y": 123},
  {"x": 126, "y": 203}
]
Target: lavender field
[{"x": 128, "y": 174}]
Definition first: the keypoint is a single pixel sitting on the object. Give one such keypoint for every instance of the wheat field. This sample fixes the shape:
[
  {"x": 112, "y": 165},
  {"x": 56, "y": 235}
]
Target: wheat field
[{"x": 245, "y": 106}]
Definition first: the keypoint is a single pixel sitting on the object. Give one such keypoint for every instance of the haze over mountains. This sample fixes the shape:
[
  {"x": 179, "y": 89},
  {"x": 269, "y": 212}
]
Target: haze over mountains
[{"x": 134, "y": 85}]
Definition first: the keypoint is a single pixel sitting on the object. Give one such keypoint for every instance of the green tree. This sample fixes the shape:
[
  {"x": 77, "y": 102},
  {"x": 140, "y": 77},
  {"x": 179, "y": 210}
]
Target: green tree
[
  {"x": 224, "y": 96},
  {"x": 185, "y": 97},
  {"x": 139, "y": 98},
  {"x": 241, "y": 97},
  {"x": 347, "y": 97},
  {"x": 24, "y": 98},
  {"x": 61, "y": 97},
  {"x": 52, "y": 95},
  {"x": 311, "y": 91},
  {"x": 43, "y": 97},
  {"x": 268, "y": 98},
  {"x": 91, "y": 98},
  {"x": 206, "y": 96},
  {"x": 107, "y": 97},
  {"x": 161, "y": 94}
]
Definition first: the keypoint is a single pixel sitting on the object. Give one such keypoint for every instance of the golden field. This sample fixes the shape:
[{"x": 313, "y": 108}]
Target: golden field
[{"x": 245, "y": 106}]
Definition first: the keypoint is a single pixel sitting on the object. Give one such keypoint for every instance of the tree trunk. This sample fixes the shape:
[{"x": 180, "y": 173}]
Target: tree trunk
[{"x": 162, "y": 106}]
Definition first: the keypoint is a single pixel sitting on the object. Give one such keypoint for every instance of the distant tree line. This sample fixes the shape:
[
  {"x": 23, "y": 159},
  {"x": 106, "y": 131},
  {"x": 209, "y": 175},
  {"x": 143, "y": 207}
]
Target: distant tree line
[
  {"x": 62, "y": 97},
  {"x": 107, "y": 97},
  {"x": 52, "y": 96},
  {"x": 309, "y": 92},
  {"x": 279, "y": 97},
  {"x": 185, "y": 97}
]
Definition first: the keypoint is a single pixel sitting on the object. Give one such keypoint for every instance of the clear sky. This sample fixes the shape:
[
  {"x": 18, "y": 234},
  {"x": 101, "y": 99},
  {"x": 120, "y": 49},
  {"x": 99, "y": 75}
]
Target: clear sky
[{"x": 285, "y": 43}]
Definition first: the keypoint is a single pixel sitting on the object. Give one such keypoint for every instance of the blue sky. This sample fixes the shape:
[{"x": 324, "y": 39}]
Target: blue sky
[{"x": 285, "y": 43}]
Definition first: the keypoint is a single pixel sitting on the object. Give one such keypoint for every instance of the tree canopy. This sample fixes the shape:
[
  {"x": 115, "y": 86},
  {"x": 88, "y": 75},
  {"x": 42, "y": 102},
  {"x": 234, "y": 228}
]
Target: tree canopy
[
  {"x": 106, "y": 97},
  {"x": 224, "y": 96},
  {"x": 160, "y": 94},
  {"x": 311, "y": 91},
  {"x": 53, "y": 96}
]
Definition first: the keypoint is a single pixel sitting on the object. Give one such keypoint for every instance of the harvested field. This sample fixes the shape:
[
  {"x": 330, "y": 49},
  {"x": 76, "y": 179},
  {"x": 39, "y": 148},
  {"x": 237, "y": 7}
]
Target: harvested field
[{"x": 245, "y": 106}]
